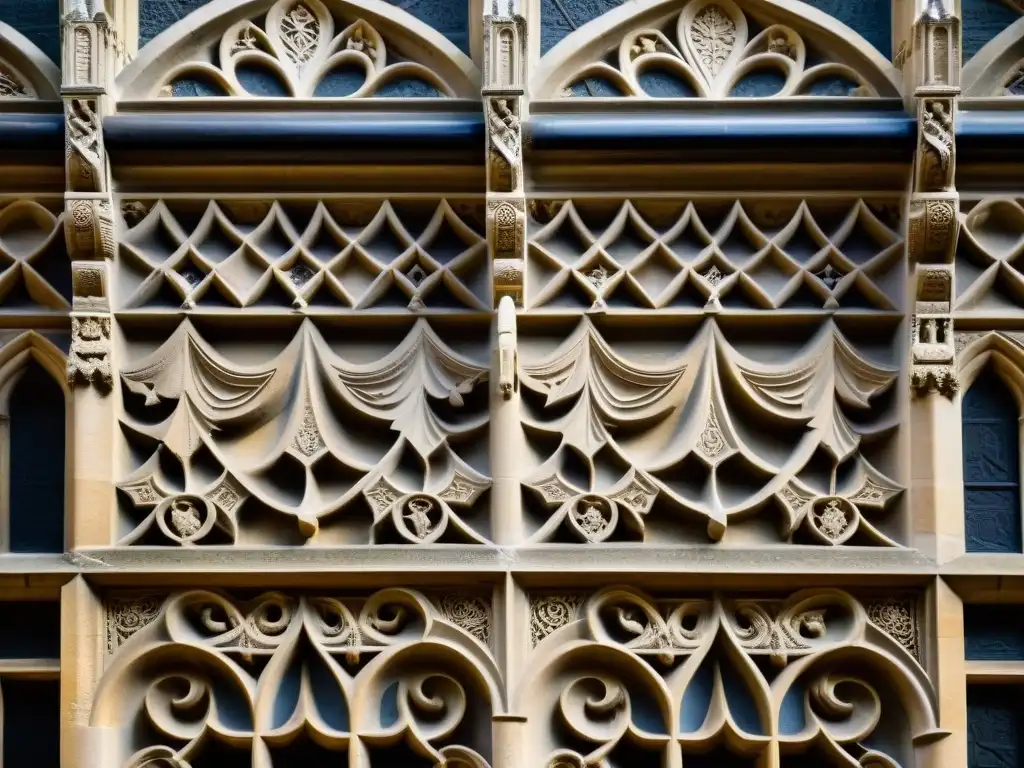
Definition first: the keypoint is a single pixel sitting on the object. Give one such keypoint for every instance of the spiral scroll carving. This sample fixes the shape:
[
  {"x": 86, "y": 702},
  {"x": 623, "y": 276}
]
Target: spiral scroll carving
[
  {"x": 280, "y": 675},
  {"x": 663, "y": 679}
]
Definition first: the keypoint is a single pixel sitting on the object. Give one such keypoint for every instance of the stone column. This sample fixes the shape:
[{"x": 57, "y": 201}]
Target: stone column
[
  {"x": 89, "y": 64},
  {"x": 83, "y": 636},
  {"x": 948, "y": 672},
  {"x": 503, "y": 97},
  {"x": 929, "y": 57}
]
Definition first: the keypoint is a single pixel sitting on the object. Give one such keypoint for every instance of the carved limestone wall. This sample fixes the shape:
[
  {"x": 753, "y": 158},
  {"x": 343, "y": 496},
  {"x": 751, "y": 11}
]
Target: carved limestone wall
[{"x": 400, "y": 675}]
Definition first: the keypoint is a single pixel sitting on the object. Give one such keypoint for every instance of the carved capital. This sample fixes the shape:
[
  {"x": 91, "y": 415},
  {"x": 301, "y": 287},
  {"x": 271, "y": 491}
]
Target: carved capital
[
  {"x": 89, "y": 356},
  {"x": 89, "y": 226},
  {"x": 932, "y": 227},
  {"x": 933, "y": 367}
]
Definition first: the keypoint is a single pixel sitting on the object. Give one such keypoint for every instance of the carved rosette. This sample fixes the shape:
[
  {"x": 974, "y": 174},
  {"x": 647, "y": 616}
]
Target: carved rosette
[{"x": 89, "y": 226}]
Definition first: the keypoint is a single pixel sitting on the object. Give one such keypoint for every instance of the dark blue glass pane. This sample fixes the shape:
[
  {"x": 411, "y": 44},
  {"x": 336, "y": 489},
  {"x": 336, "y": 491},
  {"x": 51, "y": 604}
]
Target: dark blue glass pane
[
  {"x": 994, "y": 633},
  {"x": 559, "y": 17},
  {"x": 662, "y": 84},
  {"x": 871, "y": 19},
  {"x": 30, "y": 630},
  {"x": 192, "y": 87},
  {"x": 449, "y": 17},
  {"x": 408, "y": 88},
  {"x": 763, "y": 82},
  {"x": 31, "y": 723},
  {"x": 37, "y": 463},
  {"x": 990, "y": 452},
  {"x": 993, "y": 520},
  {"x": 595, "y": 86},
  {"x": 991, "y": 464},
  {"x": 157, "y": 15},
  {"x": 260, "y": 81},
  {"x": 983, "y": 20},
  {"x": 832, "y": 85},
  {"x": 343, "y": 81},
  {"x": 38, "y": 20},
  {"x": 994, "y": 726},
  {"x": 988, "y": 398}
]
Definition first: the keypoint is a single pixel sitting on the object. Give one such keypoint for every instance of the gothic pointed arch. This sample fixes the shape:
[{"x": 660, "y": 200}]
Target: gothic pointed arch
[
  {"x": 34, "y": 420},
  {"x": 25, "y": 71},
  {"x": 1000, "y": 352},
  {"x": 710, "y": 49},
  {"x": 261, "y": 49}
]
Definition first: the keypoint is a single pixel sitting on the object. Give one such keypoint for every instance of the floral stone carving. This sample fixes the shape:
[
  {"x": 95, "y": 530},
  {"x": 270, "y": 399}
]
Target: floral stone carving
[
  {"x": 663, "y": 680},
  {"x": 707, "y": 50},
  {"x": 202, "y": 415},
  {"x": 364, "y": 680},
  {"x": 310, "y": 49},
  {"x": 626, "y": 440}
]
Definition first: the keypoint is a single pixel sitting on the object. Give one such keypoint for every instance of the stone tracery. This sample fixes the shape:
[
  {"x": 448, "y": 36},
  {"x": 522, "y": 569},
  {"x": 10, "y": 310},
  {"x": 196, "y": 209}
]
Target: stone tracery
[
  {"x": 703, "y": 49},
  {"x": 314, "y": 257},
  {"x": 659, "y": 680},
  {"x": 683, "y": 442},
  {"x": 263, "y": 677},
  {"x": 213, "y": 435},
  {"x": 309, "y": 49}
]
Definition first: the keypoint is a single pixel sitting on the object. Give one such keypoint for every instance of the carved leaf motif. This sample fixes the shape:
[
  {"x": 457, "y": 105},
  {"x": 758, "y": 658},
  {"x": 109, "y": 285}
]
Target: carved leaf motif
[
  {"x": 713, "y": 34},
  {"x": 294, "y": 48},
  {"x": 300, "y": 32},
  {"x": 398, "y": 387}
]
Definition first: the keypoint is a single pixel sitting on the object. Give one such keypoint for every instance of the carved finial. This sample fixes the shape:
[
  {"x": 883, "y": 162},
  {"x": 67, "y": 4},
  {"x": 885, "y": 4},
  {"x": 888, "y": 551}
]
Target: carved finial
[{"x": 507, "y": 352}]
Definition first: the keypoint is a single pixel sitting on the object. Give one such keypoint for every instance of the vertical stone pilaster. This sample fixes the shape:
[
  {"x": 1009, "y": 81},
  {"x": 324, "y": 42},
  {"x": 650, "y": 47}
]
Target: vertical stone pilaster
[
  {"x": 506, "y": 435},
  {"x": 929, "y": 55},
  {"x": 936, "y": 478},
  {"x": 90, "y": 60},
  {"x": 948, "y": 672},
  {"x": 504, "y": 105},
  {"x": 82, "y": 648}
]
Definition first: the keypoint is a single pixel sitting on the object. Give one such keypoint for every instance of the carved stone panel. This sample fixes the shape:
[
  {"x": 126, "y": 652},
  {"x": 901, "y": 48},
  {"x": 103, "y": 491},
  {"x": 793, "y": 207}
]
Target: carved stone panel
[
  {"x": 375, "y": 441},
  {"x": 664, "y": 680},
  {"x": 710, "y": 256},
  {"x": 313, "y": 256},
  {"x": 281, "y": 679},
  {"x": 627, "y": 435}
]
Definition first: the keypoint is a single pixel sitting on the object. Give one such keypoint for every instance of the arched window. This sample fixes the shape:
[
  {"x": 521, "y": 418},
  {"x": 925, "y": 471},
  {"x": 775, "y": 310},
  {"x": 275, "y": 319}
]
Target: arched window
[
  {"x": 991, "y": 451},
  {"x": 36, "y": 463}
]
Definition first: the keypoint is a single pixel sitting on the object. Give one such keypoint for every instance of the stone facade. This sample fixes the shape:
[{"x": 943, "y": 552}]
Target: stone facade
[{"x": 512, "y": 385}]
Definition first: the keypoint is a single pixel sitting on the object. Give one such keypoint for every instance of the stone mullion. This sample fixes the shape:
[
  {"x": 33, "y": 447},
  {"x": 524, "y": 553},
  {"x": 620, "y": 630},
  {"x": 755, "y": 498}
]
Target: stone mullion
[
  {"x": 948, "y": 671},
  {"x": 504, "y": 104},
  {"x": 82, "y": 653},
  {"x": 511, "y": 631},
  {"x": 89, "y": 64},
  {"x": 929, "y": 57}
]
